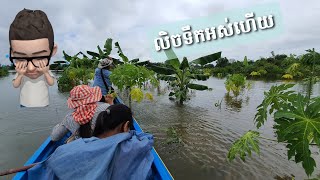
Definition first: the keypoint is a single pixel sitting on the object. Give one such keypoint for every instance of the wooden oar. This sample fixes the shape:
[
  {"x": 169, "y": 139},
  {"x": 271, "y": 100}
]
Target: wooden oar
[{"x": 11, "y": 171}]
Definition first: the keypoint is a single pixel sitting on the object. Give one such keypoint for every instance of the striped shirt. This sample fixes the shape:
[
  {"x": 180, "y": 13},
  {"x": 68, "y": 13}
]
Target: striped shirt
[{"x": 70, "y": 125}]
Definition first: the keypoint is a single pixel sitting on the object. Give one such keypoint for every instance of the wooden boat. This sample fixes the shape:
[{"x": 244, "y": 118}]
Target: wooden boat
[{"x": 48, "y": 147}]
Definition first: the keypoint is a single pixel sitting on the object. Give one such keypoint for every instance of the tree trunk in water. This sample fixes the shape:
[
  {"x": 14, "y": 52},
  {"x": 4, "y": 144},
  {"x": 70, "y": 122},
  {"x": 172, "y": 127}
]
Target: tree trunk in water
[
  {"x": 181, "y": 101},
  {"x": 129, "y": 94},
  {"x": 158, "y": 89}
]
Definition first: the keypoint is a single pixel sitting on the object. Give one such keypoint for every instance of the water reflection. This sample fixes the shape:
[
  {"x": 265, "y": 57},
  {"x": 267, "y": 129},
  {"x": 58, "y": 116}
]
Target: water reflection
[{"x": 234, "y": 102}]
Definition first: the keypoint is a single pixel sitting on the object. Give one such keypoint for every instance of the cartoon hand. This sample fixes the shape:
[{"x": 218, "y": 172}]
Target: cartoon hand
[
  {"x": 42, "y": 67},
  {"x": 21, "y": 67},
  {"x": 109, "y": 98}
]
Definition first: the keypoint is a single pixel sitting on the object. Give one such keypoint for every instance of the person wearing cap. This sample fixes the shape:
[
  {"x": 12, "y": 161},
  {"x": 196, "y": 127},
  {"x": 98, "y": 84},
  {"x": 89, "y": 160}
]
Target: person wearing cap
[
  {"x": 114, "y": 152},
  {"x": 101, "y": 76},
  {"x": 84, "y": 100}
]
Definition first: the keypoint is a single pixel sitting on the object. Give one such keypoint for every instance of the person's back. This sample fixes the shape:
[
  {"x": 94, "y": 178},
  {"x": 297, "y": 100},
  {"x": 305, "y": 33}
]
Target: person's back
[
  {"x": 114, "y": 152},
  {"x": 101, "y": 76},
  {"x": 81, "y": 121}
]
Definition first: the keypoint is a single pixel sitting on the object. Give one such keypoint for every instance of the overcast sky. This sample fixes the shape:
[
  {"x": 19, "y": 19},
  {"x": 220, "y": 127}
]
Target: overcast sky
[{"x": 83, "y": 24}]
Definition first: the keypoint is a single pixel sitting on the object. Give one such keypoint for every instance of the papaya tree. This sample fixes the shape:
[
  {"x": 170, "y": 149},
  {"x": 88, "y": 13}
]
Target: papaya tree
[
  {"x": 130, "y": 77},
  {"x": 180, "y": 76},
  {"x": 296, "y": 117}
]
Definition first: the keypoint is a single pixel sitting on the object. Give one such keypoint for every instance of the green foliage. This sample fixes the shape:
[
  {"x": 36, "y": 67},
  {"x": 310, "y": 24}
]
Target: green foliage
[
  {"x": 136, "y": 94},
  {"x": 80, "y": 71},
  {"x": 173, "y": 136},
  {"x": 235, "y": 83},
  {"x": 245, "y": 61},
  {"x": 129, "y": 75},
  {"x": 253, "y": 73},
  {"x": 101, "y": 54},
  {"x": 273, "y": 67},
  {"x": 3, "y": 71},
  {"x": 244, "y": 145},
  {"x": 297, "y": 122},
  {"x": 180, "y": 75},
  {"x": 276, "y": 96},
  {"x": 298, "y": 125},
  {"x": 287, "y": 76}
]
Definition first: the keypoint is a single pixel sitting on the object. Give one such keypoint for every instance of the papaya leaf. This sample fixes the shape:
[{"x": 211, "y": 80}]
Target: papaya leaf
[
  {"x": 207, "y": 59},
  {"x": 197, "y": 87},
  {"x": 276, "y": 97},
  {"x": 297, "y": 125},
  {"x": 136, "y": 94},
  {"x": 243, "y": 146}
]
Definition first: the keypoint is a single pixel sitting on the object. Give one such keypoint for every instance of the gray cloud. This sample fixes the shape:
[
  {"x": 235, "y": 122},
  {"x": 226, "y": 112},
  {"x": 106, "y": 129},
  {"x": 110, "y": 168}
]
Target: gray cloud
[{"x": 82, "y": 25}]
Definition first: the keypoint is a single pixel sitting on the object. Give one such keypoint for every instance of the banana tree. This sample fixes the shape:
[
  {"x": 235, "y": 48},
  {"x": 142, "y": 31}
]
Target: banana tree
[
  {"x": 179, "y": 75},
  {"x": 106, "y": 51}
]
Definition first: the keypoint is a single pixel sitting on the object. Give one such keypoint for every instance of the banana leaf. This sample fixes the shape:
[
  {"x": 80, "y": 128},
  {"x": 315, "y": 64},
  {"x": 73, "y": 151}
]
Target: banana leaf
[
  {"x": 93, "y": 54},
  {"x": 108, "y": 46},
  {"x": 184, "y": 64},
  {"x": 66, "y": 56},
  {"x": 207, "y": 59},
  {"x": 175, "y": 63},
  {"x": 170, "y": 54},
  {"x": 197, "y": 87},
  {"x": 142, "y": 63},
  {"x": 200, "y": 77},
  {"x": 124, "y": 58},
  {"x": 162, "y": 70},
  {"x": 167, "y": 78},
  {"x": 134, "y": 60}
]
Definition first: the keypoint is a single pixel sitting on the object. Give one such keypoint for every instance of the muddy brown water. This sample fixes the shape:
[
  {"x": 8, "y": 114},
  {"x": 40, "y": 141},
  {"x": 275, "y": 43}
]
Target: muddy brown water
[{"x": 206, "y": 131}]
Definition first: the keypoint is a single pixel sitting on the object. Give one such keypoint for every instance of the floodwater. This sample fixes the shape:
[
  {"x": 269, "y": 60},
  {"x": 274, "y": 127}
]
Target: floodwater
[{"x": 206, "y": 131}]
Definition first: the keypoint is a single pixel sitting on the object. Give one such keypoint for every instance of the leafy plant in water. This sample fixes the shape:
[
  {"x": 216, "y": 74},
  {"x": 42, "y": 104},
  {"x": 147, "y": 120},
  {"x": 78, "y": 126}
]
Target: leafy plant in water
[
  {"x": 297, "y": 119},
  {"x": 244, "y": 145},
  {"x": 179, "y": 75},
  {"x": 3, "y": 71},
  {"x": 129, "y": 76},
  {"x": 235, "y": 83},
  {"x": 173, "y": 136}
]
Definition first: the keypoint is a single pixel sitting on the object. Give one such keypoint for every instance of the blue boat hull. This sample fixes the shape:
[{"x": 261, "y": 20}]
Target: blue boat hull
[{"x": 48, "y": 147}]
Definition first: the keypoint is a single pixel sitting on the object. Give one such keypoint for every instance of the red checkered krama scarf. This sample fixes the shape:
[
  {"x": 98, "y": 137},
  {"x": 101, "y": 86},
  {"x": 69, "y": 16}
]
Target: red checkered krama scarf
[{"x": 83, "y": 99}]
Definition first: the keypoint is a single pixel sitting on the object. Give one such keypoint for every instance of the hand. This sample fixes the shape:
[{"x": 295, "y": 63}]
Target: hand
[
  {"x": 21, "y": 67},
  {"x": 42, "y": 67},
  {"x": 109, "y": 99}
]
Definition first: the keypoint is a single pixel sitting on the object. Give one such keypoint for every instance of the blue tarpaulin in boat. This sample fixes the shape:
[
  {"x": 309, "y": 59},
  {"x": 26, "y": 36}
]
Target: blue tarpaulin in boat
[{"x": 122, "y": 156}]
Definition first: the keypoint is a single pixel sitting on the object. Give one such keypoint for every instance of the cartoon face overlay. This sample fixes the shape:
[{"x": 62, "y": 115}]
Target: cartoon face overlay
[{"x": 31, "y": 56}]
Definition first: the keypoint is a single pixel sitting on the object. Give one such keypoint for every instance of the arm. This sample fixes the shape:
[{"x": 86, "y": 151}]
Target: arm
[
  {"x": 58, "y": 132},
  {"x": 45, "y": 70},
  {"x": 21, "y": 68},
  {"x": 49, "y": 79},
  {"x": 17, "y": 81}
]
